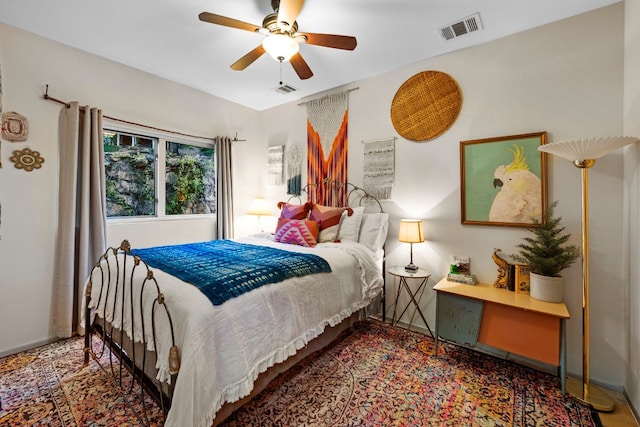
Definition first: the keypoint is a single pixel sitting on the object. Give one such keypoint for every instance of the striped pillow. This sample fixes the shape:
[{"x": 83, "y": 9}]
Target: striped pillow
[
  {"x": 290, "y": 211},
  {"x": 297, "y": 232},
  {"x": 328, "y": 218}
]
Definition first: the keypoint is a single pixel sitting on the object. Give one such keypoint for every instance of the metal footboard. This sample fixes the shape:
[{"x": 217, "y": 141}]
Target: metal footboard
[{"x": 118, "y": 290}]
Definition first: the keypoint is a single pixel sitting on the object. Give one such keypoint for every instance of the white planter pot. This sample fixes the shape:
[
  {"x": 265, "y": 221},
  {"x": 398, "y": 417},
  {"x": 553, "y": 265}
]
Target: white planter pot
[{"x": 546, "y": 288}]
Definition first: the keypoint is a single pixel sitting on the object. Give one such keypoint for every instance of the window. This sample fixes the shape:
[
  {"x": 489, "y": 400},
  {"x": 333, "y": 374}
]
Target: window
[
  {"x": 130, "y": 174},
  {"x": 190, "y": 179},
  {"x": 152, "y": 176}
]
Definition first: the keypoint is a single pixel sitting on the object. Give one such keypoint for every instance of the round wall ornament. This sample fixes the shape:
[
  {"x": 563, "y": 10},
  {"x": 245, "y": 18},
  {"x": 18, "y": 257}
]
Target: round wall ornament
[
  {"x": 27, "y": 159},
  {"x": 426, "y": 105},
  {"x": 15, "y": 127}
]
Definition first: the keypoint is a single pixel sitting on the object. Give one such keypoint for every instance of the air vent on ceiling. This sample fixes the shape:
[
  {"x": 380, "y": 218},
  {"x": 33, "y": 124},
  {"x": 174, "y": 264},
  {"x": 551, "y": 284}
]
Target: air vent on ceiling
[
  {"x": 459, "y": 28},
  {"x": 285, "y": 88}
]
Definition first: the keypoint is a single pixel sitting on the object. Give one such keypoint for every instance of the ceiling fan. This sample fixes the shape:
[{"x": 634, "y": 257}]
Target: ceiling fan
[{"x": 282, "y": 39}]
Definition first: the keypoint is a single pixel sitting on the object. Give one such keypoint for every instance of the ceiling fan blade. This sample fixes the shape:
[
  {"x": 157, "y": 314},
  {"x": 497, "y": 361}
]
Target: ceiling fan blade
[
  {"x": 288, "y": 11},
  {"x": 300, "y": 66},
  {"x": 227, "y": 22},
  {"x": 331, "y": 40},
  {"x": 248, "y": 59}
]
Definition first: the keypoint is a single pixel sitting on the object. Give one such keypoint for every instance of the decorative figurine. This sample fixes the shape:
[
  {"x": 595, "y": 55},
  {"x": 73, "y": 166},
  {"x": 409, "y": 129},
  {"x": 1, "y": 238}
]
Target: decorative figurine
[{"x": 503, "y": 270}]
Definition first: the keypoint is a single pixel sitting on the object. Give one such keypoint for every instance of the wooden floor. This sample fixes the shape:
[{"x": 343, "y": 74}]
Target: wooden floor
[{"x": 621, "y": 416}]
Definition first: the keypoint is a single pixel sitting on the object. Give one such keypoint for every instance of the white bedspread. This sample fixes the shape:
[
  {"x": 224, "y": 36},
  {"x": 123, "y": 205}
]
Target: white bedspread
[{"x": 224, "y": 348}]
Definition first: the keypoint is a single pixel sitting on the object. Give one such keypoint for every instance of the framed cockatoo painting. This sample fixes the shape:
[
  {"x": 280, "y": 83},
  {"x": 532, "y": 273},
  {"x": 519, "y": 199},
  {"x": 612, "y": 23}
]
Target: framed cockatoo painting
[{"x": 503, "y": 180}]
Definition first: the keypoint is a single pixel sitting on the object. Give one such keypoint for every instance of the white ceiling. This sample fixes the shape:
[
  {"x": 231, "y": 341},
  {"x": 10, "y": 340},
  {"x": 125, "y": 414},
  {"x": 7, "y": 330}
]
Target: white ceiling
[{"x": 165, "y": 37}]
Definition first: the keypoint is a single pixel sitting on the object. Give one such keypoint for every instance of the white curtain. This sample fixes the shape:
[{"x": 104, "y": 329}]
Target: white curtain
[
  {"x": 81, "y": 237},
  {"x": 224, "y": 188}
]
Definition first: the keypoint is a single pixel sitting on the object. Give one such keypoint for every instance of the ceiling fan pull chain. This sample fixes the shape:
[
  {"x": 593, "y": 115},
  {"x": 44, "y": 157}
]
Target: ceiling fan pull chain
[{"x": 280, "y": 73}]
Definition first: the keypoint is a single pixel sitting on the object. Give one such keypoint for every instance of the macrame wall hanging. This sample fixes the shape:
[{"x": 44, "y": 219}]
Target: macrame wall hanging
[
  {"x": 294, "y": 171},
  {"x": 327, "y": 147},
  {"x": 275, "y": 164},
  {"x": 379, "y": 167}
]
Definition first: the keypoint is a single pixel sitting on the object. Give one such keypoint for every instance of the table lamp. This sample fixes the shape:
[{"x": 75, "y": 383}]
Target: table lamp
[
  {"x": 583, "y": 153},
  {"x": 411, "y": 232},
  {"x": 259, "y": 207}
]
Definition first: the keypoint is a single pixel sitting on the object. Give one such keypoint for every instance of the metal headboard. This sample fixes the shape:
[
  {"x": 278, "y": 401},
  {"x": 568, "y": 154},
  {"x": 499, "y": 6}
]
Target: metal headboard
[{"x": 356, "y": 196}]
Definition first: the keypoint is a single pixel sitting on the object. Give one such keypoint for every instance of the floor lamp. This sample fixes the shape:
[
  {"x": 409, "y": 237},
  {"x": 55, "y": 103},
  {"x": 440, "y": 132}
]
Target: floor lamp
[{"x": 583, "y": 153}]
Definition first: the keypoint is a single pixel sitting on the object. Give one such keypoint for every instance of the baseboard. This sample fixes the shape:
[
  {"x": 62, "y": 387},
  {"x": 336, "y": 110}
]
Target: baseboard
[
  {"x": 28, "y": 346},
  {"x": 415, "y": 328},
  {"x": 616, "y": 388},
  {"x": 634, "y": 411}
]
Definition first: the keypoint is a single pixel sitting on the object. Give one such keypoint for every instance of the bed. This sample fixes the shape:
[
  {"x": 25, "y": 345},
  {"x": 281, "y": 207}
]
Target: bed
[{"x": 201, "y": 357}]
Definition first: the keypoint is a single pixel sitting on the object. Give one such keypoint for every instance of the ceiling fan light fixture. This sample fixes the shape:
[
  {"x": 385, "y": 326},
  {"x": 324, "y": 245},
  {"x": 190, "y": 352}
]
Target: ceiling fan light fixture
[
  {"x": 280, "y": 46},
  {"x": 281, "y": 37}
]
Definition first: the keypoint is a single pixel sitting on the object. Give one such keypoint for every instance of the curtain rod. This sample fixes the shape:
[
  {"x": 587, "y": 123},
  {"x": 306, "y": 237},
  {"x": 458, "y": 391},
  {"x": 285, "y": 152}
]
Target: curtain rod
[
  {"x": 327, "y": 95},
  {"x": 50, "y": 98}
]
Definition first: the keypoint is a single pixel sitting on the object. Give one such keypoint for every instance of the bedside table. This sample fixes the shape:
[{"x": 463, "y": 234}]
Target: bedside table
[{"x": 415, "y": 297}]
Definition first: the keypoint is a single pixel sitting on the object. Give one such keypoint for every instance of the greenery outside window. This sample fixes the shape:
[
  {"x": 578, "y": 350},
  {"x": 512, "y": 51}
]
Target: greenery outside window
[
  {"x": 130, "y": 174},
  {"x": 190, "y": 179},
  {"x": 152, "y": 176}
]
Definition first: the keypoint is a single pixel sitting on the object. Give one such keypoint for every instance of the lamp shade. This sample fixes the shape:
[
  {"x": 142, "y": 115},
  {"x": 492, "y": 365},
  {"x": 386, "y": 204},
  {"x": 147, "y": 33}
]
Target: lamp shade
[
  {"x": 281, "y": 47},
  {"x": 259, "y": 206},
  {"x": 586, "y": 149},
  {"x": 411, "y": 231}
]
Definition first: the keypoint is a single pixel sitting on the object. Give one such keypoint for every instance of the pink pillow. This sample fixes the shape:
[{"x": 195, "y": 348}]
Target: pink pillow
[
  {"x": 290, "y": 211},
  {"x": 328, "y": 218},
  {"x": 297, "y": 232}
]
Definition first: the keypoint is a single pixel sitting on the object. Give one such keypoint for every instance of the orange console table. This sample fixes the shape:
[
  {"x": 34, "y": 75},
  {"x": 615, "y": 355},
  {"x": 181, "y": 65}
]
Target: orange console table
[{"x": 487, "y": 318}]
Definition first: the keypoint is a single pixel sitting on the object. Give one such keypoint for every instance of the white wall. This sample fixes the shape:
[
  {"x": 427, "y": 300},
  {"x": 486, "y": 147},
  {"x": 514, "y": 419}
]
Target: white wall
[
  {"x": 29, "y": 200},
  {"x": 632, "y": 195},
  {"x": 564, "y": 78}
]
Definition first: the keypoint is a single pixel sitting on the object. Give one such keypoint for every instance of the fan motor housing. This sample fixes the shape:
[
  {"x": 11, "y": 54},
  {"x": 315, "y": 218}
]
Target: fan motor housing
[{"x": 270, "y": 22}]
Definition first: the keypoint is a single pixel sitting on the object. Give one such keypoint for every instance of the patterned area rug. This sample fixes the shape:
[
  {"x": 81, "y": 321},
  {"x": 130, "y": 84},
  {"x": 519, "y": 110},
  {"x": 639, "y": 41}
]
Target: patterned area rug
[
  {"x": 385, "y": 376},
  {"x": 377, "y": 375},
  {"x": 49, "y": 386}
]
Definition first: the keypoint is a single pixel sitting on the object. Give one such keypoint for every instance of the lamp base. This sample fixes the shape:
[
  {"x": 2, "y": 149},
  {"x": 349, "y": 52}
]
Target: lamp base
[
  {"x": 411, "y": 268},
  {"x": 598, "y": 399}
]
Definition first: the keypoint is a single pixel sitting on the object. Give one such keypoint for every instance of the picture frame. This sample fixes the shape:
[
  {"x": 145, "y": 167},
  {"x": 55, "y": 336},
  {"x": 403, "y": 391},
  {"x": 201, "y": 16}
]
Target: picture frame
[{"x": 503, "y": 180}]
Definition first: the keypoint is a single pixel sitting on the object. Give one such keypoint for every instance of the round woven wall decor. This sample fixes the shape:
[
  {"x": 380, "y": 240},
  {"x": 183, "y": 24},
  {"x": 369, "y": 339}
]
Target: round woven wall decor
[{"x": 426, "y": 105}]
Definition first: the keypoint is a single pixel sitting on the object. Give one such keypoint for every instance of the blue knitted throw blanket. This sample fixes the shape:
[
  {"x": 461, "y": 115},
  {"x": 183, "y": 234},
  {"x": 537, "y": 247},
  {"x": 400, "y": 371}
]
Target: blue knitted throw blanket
[{"x": 224, "y": 269}]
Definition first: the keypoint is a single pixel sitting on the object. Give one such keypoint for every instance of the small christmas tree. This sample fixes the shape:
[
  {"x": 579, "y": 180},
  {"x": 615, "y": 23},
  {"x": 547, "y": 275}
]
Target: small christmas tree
[{"x": 547, "y": 253}]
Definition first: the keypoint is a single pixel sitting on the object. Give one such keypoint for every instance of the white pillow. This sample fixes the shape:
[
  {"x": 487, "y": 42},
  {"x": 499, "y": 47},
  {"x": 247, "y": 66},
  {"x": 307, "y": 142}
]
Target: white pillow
[
  {"x": 373, "y": 230},
  {"x": 350, "y": 225}
]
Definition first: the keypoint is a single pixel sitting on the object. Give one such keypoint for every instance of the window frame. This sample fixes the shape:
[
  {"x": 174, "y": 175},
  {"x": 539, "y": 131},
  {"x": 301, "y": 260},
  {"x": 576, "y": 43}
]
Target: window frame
[{"x": 160, "y": 183}]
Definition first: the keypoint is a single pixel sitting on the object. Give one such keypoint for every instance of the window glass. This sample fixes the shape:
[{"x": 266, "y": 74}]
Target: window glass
[
  {"x": 190, "y": 179},
  {"x": 149, "y": 176},
  {"x": 130, "y": 174}
]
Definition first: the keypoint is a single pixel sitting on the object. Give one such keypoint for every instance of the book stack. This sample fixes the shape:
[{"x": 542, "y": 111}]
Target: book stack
[
  {"x": 460, "y": 271},
  {"x": 467, "y": 279}
]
